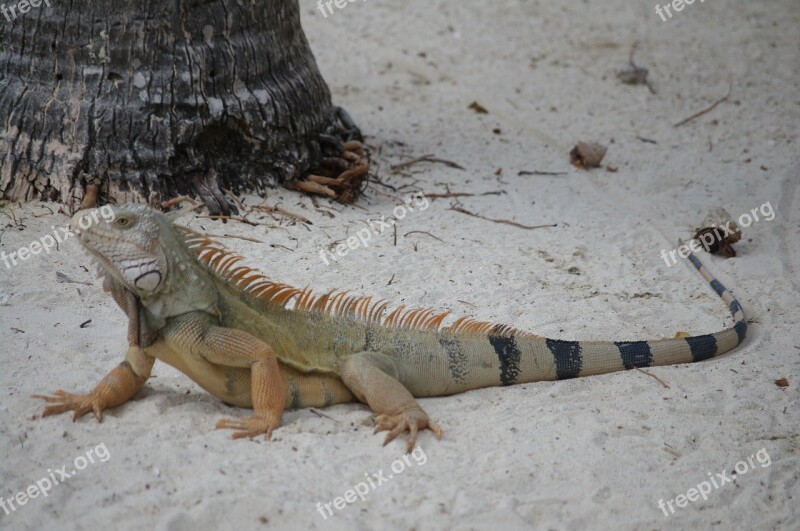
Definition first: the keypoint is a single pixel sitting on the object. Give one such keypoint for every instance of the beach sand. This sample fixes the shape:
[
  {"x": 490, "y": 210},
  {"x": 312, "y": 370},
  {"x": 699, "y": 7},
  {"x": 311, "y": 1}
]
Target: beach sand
[{"x": 589, "y": 453}]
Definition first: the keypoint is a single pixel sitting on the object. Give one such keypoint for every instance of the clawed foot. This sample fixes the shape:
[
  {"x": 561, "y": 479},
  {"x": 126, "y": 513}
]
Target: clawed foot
[
  {"x": 249, "y": 427},
  {"x": 80, "y": 404},
  {"x": 410, "y": 421}
]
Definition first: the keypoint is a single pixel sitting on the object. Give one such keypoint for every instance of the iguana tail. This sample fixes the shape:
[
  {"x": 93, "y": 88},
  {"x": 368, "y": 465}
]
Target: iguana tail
[{"x": 571, "y": 359}]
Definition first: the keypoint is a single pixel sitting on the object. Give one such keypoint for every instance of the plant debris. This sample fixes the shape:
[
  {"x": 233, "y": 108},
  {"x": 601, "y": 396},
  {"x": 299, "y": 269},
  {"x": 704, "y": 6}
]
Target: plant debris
[
  {"x": 478, "y": 108},
  {"x": 538, "y": 172},
  {"x": 587, "y": 154},
  {"x": 706, "y": 110},
  {"x": 718, "y": 233},
  {"x": 633, "y": 74},
  {"x": 461, "y": 194},
  {"x": 426, "y": 158},
  {"x": 782, "y": 382},
  {"x": 459, "y": 208},
  {"x": 423, "y": 232},
  {"x": 651, "y": 375}
]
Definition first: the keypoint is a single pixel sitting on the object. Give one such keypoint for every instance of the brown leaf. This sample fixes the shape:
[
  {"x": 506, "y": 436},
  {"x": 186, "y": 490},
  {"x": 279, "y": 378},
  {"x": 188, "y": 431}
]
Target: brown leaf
[
  {"x": 478, "y": 108},
  {"x": 587, "y": 154}
]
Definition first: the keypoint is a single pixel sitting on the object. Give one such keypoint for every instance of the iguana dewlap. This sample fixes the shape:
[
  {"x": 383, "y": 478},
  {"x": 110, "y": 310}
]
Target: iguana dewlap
[{"x": 256, "y": 343}]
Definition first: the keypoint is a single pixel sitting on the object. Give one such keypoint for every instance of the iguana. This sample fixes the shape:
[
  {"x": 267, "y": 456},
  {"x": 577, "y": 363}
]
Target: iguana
[{"x": 253, "y": 342}]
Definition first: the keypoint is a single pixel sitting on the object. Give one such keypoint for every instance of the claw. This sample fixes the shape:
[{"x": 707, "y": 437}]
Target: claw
[
  {"x": 410, "y": 421},
  {"x": 249, "y": 427},
  {"x": 79, "y": 404}
]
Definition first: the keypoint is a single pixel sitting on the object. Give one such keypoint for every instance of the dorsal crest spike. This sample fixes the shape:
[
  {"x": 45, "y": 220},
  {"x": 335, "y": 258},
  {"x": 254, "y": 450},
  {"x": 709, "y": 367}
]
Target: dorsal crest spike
[{"x": 336, "y": 303}]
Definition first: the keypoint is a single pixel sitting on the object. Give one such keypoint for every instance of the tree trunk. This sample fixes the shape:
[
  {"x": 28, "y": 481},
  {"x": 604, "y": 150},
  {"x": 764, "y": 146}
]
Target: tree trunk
[{"x": 153, "y": 99}]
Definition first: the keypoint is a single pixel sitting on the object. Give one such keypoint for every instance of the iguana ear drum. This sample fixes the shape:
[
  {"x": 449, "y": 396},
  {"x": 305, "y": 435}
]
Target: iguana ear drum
[{"x": 148, "y": 281}]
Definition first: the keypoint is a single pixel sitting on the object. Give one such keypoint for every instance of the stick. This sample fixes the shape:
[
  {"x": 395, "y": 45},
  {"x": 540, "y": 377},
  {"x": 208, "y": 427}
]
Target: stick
[
  {"x": 707, "y": 109},
  {"x": 461, "y": 194},
  {"x": 423, "y": 232},
  {"x": 503, "y": 221},
  {"x": 245, "y": 238},
  {"x": 537, "y": 172},
  {"x": 180, "y": 199},
  {"x": 651, "y": 375},
  {"x": 426, "y": 158},
  {"x": 298, "y": 217},
  {"x": 234, "y": 218},
  {"x": 320, "y": 414}
]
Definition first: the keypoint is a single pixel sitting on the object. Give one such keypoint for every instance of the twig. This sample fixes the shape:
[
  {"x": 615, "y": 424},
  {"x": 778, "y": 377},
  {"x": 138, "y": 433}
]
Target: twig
[
  {"x": 423, "y": 232},
  {"x": 390, "y": 280},
  {"x": 320, "y": 414},
  {"x": 461, "y": 194},
  {"x": 425, "y": 158},
  {"x": 267, "y": 208},
  {"x": 670, "y": 450},
  {"x": 707, "y": 109},
  {"x": 43, "y": 214},
  {"x": 395, "y": 234},
  {"x": 640, "y": 69},
  {"x": 245, "y": 238},
  {"x": 282, "y": 246},
  {"x": 234, "y": 218},
  {"x": 537, "y": 172},
  {"x": 651, "y": 375},
  {"x": 389, "y": 186},
  {"x": 503, "y": 221},
  {"x": 85, "y": 323},
  {"x": 180, "y": 199}
]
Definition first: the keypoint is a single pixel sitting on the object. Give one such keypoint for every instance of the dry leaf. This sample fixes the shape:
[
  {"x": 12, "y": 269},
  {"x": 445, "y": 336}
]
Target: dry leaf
[
  {"x": 587, "y": 154},
  {"x": 478, "y": 108}
]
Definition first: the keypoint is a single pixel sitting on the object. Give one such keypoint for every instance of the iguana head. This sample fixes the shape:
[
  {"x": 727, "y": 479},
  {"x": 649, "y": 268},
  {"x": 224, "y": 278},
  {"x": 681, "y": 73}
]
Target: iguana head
[{"x": 128, "y": 242}]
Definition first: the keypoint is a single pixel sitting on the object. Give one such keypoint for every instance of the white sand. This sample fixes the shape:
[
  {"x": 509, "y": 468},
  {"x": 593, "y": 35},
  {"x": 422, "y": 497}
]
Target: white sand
[{"x": 594, "y": 452}]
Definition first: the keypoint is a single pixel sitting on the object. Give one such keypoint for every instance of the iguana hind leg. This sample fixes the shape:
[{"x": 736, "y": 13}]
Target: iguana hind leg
[{"x": 378, "y": 380}]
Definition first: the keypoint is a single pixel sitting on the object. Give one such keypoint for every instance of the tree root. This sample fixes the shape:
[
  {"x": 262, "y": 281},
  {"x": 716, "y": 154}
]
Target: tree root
[
  {"x": 340, "y": 178},
  {"x": 344, "y": 166}
]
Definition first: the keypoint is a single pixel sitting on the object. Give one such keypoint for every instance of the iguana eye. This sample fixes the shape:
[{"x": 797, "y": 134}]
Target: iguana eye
[{"x": 123, "y": 222}]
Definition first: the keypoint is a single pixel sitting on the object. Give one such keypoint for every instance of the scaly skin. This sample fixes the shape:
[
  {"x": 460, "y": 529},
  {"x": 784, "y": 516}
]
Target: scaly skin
[{"x": 234, "y": 333}]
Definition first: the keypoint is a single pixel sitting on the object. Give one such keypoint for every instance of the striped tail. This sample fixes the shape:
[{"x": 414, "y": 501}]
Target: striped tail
[{"x": 572, "y": 359}]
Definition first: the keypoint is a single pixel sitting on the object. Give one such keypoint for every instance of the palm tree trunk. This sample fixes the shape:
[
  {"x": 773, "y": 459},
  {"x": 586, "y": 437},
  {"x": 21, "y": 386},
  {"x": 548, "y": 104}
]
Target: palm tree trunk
[{"x": 143, "y": 101}]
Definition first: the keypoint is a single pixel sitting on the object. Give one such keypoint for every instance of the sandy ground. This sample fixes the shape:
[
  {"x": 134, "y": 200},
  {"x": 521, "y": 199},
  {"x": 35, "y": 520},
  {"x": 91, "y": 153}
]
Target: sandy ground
[{"x": 596, "y": 452}]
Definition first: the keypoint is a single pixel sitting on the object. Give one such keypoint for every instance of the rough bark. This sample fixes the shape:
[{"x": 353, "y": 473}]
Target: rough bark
[{"x": 152, "y": 99}]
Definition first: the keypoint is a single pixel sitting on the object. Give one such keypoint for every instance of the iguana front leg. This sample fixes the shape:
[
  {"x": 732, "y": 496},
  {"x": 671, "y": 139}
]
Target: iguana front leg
[
  {"x": 123, "y": 382},
  {"x": 378, "y": 379},
  {"x": 116, "y": 388},
  {"x": 195, "y": 335}
]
